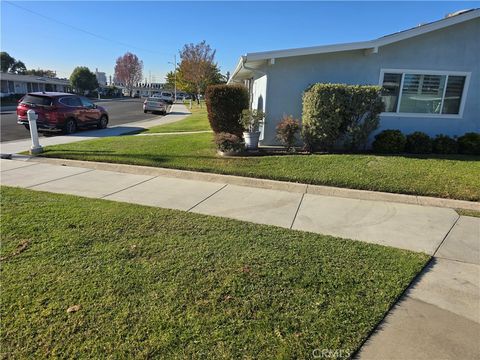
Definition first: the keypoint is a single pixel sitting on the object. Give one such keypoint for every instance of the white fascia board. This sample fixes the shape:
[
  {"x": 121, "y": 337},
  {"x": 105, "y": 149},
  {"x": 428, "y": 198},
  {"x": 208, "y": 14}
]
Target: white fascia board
[
  {"x": 237, "y": 69},
  {"x": 371, "y": 46},
  {"x": 309, "y": 50},
  {"x": 364, "y": 45}
]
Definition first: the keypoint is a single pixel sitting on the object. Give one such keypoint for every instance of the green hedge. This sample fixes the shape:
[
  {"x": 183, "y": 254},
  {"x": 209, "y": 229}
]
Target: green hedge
[
  {"x": 225, "y": 104},
  {"x": 340, "y": 114}
]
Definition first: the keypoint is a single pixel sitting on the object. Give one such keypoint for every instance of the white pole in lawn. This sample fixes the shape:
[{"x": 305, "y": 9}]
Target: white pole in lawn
[{"x": 36, "y": 148}]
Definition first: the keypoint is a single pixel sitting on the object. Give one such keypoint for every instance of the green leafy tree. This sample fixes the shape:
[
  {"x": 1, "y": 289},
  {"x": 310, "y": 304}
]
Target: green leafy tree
[
  {"x": 182, "y": 85},
  {"x": 41, "y": 72},
  {"x": 18, "y": 68},
  {"x": 82, "y": 79},
  {"x": 6, "y": 61}
]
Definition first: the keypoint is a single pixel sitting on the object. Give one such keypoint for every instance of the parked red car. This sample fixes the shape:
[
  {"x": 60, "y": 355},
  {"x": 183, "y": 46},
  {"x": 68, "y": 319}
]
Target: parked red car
[{"x": 61, "y": 112}]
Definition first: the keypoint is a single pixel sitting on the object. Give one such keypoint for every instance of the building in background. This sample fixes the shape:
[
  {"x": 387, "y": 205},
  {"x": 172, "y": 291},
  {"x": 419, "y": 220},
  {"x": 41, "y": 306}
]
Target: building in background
[
  {"x": 21, "y": 84},
  {"x": 101, "y": 78}
]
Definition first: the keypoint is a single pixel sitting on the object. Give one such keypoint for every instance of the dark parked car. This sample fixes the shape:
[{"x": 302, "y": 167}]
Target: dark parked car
[{"x": 61, "y": 112}]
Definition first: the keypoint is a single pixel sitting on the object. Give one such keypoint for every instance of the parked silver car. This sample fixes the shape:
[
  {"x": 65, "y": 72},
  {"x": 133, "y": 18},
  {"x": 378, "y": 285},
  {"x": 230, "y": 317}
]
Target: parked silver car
[{"x": 155, "y": 105}]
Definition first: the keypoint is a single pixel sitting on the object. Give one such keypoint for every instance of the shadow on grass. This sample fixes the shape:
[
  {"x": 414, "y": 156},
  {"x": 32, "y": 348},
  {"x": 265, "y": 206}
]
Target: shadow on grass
[
  {"x": 457, "y": 157},
  {"x": 401, "y": 299},
  {"x": 178, "y": 113}
]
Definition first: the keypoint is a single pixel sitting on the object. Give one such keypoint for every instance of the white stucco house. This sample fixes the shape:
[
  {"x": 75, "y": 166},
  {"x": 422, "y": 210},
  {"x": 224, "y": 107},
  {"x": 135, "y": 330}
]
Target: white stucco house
[{"x": 430, "y": 75}]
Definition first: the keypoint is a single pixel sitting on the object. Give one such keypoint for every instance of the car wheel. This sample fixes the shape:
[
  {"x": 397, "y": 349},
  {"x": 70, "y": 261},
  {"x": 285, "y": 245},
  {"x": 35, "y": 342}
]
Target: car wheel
[
  {"x": 27, "y": 127},
  {"x": 70, "y": 126},
  {"x": 144, "y": 111},
  {"x": 103, "y": 122}
]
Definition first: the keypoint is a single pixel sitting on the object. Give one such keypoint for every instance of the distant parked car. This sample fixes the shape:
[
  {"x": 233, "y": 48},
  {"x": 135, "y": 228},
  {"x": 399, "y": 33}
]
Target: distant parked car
[
  {"x": 155, "y": 105},
  {"x": 136, "y": 95},
  {"x": 164, "y": 95},
  {"x": 61, "y": 112}
]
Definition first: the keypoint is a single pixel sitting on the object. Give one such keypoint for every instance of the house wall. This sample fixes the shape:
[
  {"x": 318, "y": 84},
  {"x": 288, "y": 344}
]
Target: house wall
[{"x": 455, "y": 48}]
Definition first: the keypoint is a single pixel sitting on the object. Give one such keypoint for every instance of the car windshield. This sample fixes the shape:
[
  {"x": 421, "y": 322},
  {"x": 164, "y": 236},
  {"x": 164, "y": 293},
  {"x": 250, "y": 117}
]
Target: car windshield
[
  {"x": 37, "y": 100},
  {"x": 167, "y": 94},
  {"x": 154, "y": 99}
]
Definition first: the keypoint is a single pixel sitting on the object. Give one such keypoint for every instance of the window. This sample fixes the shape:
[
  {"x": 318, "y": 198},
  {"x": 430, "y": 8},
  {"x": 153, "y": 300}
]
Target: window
[
  {"x": 37, "y": 100},
  {"x": 390, "y": 91},
  {"x": 86, "y": 103},
  {"x": 420, "y": 92}
]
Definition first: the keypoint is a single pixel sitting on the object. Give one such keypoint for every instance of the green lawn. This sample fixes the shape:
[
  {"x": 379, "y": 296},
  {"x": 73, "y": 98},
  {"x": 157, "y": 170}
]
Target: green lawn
[
  {"x": 196, "y": 122},
  {"x": 465, "y": 212},
  {"x": 454, "y": 177},
  {"x": 155, "y": 283}
]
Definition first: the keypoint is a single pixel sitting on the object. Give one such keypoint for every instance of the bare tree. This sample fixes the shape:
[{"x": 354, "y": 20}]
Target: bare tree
[
  {"x": 128, "y": 70},
  {"x": 197, "y": 65}
]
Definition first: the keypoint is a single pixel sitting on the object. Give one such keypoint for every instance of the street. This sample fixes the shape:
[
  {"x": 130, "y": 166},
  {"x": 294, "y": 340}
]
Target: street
[{"x": 120, "y": 111}]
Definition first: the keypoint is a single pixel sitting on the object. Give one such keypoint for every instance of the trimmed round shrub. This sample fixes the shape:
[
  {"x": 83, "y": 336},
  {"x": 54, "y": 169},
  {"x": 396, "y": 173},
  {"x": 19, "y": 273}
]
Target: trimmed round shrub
[
  {"x": 227, "y": 142},
  {"x": 389, "y": 142},
  {"x": 225, "y": 104},
  {"x": 443, "y": 144},
  {"x": 332, "y": 112},
  {"x": 469, "y": 144},
  {"x": 418, "y": 143}
]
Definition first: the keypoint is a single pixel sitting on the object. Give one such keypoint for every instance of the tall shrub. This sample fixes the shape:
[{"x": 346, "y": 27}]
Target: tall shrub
[
  {"x": 225, "y": 104},
  {"x": 339, "y": 113}
]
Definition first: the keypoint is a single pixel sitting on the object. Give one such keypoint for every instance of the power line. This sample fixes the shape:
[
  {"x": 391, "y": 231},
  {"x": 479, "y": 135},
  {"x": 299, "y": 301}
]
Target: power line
[{"x": 82, "y": 30}]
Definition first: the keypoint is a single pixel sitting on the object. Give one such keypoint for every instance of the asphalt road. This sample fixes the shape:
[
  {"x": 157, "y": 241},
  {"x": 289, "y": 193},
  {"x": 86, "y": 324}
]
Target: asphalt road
[{"x": 120, "y": 111}]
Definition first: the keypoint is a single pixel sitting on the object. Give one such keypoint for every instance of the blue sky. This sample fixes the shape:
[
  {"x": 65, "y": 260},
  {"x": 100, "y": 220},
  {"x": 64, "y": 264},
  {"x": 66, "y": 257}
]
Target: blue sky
[{"x": 155, "y": 31}]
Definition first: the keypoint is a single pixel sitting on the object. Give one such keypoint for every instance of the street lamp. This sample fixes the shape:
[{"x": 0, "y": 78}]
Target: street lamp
[{"x": 175, "y": 75}]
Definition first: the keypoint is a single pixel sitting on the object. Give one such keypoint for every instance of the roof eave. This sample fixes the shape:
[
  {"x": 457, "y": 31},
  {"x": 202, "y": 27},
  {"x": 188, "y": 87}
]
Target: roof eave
[{"x": 362, "y": 45}]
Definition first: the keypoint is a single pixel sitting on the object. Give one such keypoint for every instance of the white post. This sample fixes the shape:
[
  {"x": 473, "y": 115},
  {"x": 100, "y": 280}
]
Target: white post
[
  {"x": 36, "y": 148},
  {"x": 190, "y": 103}
]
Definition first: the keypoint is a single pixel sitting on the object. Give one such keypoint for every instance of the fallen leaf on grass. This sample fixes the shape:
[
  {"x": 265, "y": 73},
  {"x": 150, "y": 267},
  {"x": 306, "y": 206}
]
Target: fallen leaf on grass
[
  {"x": 73, "y": 308},
  {"x": 20, "y": 248}
]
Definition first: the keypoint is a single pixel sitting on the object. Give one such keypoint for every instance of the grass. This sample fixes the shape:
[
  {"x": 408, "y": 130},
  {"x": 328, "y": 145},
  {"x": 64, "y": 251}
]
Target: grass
[
  {"x": 155, "y": 283},
  {"x": 196, "y": 122},
  {"x": 465, "y": 212},
  {"x": 446, "y": 177}
]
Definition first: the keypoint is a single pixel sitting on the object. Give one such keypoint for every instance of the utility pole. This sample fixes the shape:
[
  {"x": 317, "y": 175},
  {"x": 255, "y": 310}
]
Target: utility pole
[{"x": 175, "y": 74}]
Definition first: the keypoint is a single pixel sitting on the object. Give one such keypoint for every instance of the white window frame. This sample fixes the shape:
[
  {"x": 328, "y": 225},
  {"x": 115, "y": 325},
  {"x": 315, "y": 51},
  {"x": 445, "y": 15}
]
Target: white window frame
[{"x": 427, "y": 72}]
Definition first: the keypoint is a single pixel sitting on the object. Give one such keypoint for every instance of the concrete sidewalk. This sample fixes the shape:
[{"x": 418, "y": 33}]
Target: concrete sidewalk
[
  {"x": 177, "y": 113},
  {"x": 406, "y": 226},
  {"x": 438, "y": 318}
]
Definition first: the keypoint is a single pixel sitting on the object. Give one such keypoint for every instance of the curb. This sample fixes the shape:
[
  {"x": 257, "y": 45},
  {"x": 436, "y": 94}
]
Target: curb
[{"x": 267, "y": 184}]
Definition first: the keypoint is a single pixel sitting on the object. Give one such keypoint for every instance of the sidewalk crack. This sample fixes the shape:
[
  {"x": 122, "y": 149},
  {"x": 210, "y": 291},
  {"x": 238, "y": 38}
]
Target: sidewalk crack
[
  {"x": 208, "y": 197},
  {"x": 128, "y": 187},
  {"x": 296, "y": 212},
  {"x": 446, "y": 235},
  {"x": 60, "y": 178}
]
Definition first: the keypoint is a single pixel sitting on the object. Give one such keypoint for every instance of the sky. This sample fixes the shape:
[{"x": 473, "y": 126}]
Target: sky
[{"x": 61, "y": 35}]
